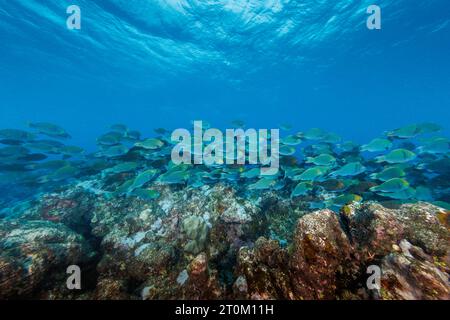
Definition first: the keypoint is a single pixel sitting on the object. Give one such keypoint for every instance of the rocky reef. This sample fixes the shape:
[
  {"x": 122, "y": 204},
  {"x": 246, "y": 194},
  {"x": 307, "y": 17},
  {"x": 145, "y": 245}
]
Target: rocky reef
[{"x": 215, "y": 243}]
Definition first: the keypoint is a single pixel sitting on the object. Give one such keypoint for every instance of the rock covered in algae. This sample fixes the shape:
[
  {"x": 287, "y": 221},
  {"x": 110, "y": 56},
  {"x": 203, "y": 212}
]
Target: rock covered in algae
[
  {"x": 328, "y": 258},
  {"x": 318, "y": 261},
  {"x": 376, "y": 229},
  {"x": 411, "y": 274},
  {"x": 423, "y": 227},
  {"x": 72, "y": 207},
  {"x": 322, "y": 258},
  {"x": 33, "y": 253},
  {"x": 265, "y": 270}
]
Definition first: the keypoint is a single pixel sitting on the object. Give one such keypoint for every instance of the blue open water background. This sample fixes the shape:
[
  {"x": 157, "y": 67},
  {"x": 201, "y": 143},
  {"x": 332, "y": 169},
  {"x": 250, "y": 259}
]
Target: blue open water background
[{"x": 152, "y": 64}]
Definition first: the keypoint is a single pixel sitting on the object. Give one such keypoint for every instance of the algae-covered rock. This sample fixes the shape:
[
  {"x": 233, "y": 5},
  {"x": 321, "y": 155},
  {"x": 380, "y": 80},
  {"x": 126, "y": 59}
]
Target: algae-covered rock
[
  {"x": 112, "y": 289},
  {"x": 72, "y": 207},
  {"x": 265, "y": 269},
  {"x": 328, "y": 258},
  {"x": 412, "y": 275},
  {"x": 33, "y": 252},
  {"x": 424, "y": 229},
  {"x": 375, "y": 229},
  {"x": 322, "y": 256}
]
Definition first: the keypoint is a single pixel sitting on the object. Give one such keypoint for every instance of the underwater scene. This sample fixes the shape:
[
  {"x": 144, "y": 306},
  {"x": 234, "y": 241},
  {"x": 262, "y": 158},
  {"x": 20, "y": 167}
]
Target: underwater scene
[{"x": 224, "y": 150}]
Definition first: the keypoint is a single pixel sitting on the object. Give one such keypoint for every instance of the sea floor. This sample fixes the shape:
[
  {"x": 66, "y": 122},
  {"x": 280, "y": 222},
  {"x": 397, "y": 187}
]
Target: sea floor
[{"x": 215, "y": 243}]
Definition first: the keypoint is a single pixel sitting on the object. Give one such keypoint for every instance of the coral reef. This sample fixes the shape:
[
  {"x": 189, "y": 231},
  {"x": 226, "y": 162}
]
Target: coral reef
[{"x": 215, "y": 243}]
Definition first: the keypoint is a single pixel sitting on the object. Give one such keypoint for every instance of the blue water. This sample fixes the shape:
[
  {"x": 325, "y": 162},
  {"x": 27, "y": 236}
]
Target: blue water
[{"x": 152, "y": 64}]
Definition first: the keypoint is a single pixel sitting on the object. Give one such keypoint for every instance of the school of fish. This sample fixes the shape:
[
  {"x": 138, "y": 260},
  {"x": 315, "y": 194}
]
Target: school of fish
[{"x": 407, "y": 164}]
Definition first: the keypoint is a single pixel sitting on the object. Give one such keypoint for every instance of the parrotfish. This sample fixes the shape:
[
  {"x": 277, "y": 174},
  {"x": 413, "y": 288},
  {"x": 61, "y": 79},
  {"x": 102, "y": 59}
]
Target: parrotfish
[
  {"x": 377, "y": 145},
  {"x": 392, "y": 185},
  {"x": 302, "y": 189},
  {"x": 388, "y": 173},
  {"x": 397, "y": 156},
  {"x": 322, "y": 160},
  {"x": 350, "y": 169}
]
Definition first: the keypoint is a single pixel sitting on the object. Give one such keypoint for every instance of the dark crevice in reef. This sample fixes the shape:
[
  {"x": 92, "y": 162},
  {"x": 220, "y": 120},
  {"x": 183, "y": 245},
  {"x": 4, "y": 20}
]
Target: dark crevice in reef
[
  {"x": 225, "y": 259},
  {"x": 345, "y": 224},
  {"x": 133, "y": 285},
  {"x": 226, "y": 265},
  {"x": 80, "y": 222}
]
